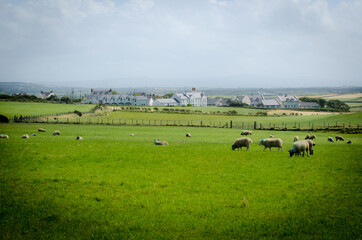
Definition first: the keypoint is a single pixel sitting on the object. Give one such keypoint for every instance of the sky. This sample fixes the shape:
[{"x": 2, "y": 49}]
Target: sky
[{"x": 177, "y": 43}]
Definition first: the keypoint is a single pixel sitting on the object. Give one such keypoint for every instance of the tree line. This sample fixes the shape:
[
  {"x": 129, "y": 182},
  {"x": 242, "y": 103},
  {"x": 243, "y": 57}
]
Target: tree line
[{"x": 32, "y": 98}]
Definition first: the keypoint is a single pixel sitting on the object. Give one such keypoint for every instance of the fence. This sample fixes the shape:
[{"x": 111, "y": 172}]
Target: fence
[{"x": 213, "y": 124}]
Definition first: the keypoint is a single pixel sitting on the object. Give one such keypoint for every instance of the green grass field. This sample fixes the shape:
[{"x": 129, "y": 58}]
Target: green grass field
[
  {"x": 113, "y": 186},
  {"x": 10, "y": 109}
]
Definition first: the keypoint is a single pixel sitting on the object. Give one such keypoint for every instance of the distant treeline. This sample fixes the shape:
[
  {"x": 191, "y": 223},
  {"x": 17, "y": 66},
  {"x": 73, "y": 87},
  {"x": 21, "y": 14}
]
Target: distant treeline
[
  {"x": 333, "y": 105},
  {"x": 32, "y": 98}
]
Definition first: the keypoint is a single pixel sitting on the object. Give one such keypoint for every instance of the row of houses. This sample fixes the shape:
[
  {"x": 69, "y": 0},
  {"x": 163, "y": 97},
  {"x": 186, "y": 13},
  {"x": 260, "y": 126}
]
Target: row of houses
[
  {"x": 192, "y": 98},
  {"x": 258, "y": 100}
]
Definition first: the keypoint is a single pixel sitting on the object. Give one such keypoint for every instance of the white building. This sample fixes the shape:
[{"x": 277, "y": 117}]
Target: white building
[
  {"x": 106, "y": 97},
  {"x": 165, "y": 102},
  {"x": 288, "y": 101},
  {"x": 194, "y": 98}
]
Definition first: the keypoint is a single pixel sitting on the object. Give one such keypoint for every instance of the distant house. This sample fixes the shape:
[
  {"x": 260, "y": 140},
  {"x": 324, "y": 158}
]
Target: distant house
[
  {"x": 309, "y": 105},
  {"x": 214, "y": 101},
  {"x": 45, "y": 95},
  {"x": 106, "y": 97},
  {"x": 90, "y": 100},
  {"x": 288, "y": 101},
  {"x": 165, "y": 102},
  {"x": 243, "y": 99},
  {"x": 20, "y": 94},
  {"x": 255, "y": 100},
  {"x": 194, "y": 98},
  {"x": 270, "y": 103}
]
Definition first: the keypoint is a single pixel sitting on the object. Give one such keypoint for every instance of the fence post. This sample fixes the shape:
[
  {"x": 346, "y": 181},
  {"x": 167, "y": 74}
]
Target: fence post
[
  {"x": 201, "y": 123},
  {"x": 231, "y": 124},
  {"x": 254, "y": 125}
]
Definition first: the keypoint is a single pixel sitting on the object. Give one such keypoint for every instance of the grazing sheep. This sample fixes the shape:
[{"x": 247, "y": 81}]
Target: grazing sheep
[
  {"x": 299, "y": 147},
  {"x": 339, "y": 138},
  {"x": 242, "y": 142},
  {"x": 310, "y": 145},
  {"x": 132, "y": 134},
  {"x": 296, "y": 138},
  {"x": 188, "y": 134},
  {"x": 349, "y": 142},
  {"x": 33, "y": 134},
  {"x": 25, "y": 136},
  {"x": 311, "y": 137},
  {"x": 272, "y": 142},
  {"x": 271, "y": 135},
  {"x": 157, "y": 142},
  {"x": 4, "y": 136},
  {"x": 79, "y": 138},
  {"x": 246, "y": 132},
  {"x": 56, "y": 133},
  {"x": 41, "y": 130},
  {"x": 330, "y": 139}
]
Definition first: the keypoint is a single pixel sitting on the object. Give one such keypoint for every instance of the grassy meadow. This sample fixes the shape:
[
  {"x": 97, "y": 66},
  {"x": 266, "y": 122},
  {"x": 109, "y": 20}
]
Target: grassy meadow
[{"x": 114, "y": 186}]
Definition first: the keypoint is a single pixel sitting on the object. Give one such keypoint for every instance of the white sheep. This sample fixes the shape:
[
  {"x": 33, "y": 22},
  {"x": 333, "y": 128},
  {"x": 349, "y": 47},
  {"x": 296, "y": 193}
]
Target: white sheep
[
  {"x": 272, "y": 142},
  {"x": 339, "y": 138},
  {"x": 271, "y": 135},
  {"x": 246, "y": 132},
  {"x": 242, "y": 142},
  {"x": 79, "y": 138},
  {"x": 41, "y": 130},
  {"x": 4, "y": 136},
  {"x": 310, "y": 145},
  {"x": 188, "y": 134},
  {"x": 330, "y": 139},
  {"x": 25, "y": 136},
  {"x": 56, "y": 133},
  {"x": 132, "y": 134},
  {"x": 296, "y": 138},
  {"x": 299, "y": 147},
  {"x": 157, "y": 142}
]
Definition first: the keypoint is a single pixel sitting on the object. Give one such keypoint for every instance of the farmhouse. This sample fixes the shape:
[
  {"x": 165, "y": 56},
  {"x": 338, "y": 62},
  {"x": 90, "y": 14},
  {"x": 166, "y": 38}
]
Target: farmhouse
[
  {"x": 193, "y": 98},
  {"x": 288, "y": 101},
  {"x": 270, "y": 103},
  {"x": 106, "y": 97},
  {"x": 309, "y": 105},
  {"x": 255, "y": 100},
  {"x": 45, "y": 95},
  {"x": 165, "y": 102}
]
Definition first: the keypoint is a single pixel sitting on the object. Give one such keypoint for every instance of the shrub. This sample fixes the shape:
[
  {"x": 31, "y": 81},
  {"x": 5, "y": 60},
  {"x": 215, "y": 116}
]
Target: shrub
[
  {"x": 78, "y": 113},
  {"x": 3, "y": 119}
]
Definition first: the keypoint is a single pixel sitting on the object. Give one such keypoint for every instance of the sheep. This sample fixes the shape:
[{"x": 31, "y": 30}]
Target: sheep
[
  {"x": 242, "y": 142},
  {"x": 271, "y": 135},
  {"x": 41, "y": 130},
  {"x": 299, "y": 147},
  {"x": 25, "y": 136},
  {"x": 296, "y": 138},
  {"x": 34, "y": 134},
  {"x": 330, "y": 139},
  {"x": 157, "y": 142},
  {"x": 339, "y": 138},
  {"x": 246, "y": 132},
  {"x": 272, "y": 142},
  {"x": 311, "y": 137},
  {"x": 188, "y": 134},
  {"x": 4, "y": 136},
  {"x": 79, "y": 138},
  {"x": 56, "y": 133},
  {"x": 349, "y": 142},
  {"x": 310, "y": 144},
  {"x": 132, "y": 134}
]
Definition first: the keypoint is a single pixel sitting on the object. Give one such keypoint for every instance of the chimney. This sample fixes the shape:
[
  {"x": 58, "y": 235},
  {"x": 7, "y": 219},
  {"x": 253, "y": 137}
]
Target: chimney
[
  {"x": 41, "y": 92},
  {"x": 194, "y": 89},
  {"x": 285, "y": 95}
]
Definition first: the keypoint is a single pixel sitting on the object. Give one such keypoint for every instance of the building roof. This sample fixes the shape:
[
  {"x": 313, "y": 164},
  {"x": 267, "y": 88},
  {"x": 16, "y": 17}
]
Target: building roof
[
  {"x": 254, "y": 97},
  {"x": 166, "y": 100},
  {"x": 213, "y": 101},
  {"x": 309, "y": 104},
  {"x": 288, "y": 97},
  {"x": 270, "y": 102}
]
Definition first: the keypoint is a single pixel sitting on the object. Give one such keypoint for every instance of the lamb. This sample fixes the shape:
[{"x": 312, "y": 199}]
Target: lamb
[
  {"x": 310, "y": 145},
  {"x": 79, "y": 138},
  {"x": 157, "y": 142},
  {"x": 299, "y": 147},
  {"x": 296, "y": 138},
  {"x": 188, "y": 134},
  {"x": 349, "y": 142},
  {"x": 246, "y": 132},
  {"x": 272, "y": 142},
  {"x": 330, "y": 139},
  {"x": 339, "y": 138},
  {"x": 41, "y": 130},
  {"x": 242, "y": 142},
  {"x": 4, "y": 136},
  {"x": 25, "y": 136},
  {"x": 311, "y": 137},
  {"x": 56, "y": 133}
]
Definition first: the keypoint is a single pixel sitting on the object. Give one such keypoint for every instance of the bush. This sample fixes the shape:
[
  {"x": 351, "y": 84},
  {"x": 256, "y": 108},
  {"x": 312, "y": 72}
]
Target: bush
[
  {"x": 3, "y": 119},
  {"x": 78, "y": 113}
]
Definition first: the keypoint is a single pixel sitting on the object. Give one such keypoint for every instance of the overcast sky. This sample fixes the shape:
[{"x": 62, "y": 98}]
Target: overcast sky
[{"x": 201, "y": 43}]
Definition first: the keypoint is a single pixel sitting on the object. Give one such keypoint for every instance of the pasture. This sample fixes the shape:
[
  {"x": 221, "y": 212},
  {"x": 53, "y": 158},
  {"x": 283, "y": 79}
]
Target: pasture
[{"x": 113, "y": 186}]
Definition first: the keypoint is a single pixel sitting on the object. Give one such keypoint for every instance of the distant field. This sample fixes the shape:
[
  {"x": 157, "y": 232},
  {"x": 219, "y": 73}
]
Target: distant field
[
  {"x": 10, "y": 109},
  {"x": 113, "y": 186}
]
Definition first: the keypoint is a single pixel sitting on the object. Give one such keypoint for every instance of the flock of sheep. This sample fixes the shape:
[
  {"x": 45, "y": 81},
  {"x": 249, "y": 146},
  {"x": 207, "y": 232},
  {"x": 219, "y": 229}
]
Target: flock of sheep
[{"x": 299, "y": 147}]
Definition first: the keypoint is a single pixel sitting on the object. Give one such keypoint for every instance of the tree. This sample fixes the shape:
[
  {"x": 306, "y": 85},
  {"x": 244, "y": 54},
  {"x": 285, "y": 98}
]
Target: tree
[
  {"x": 53, "y": 98},
  {"x": 168, "y": 95},
  {"x": 338, "y": 105},
  {"x": 114, "y": 92},
  {"x": 66, "y": 100}
]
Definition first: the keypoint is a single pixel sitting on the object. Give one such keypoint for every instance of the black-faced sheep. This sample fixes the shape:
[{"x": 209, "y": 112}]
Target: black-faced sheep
[
  {"x": 79, "y": 138},
  {"x": 349, "y": 142},
  {"x": 41, "y": 130},
  {"x": 56, "y": 133},
  {"x": 25, "y": 136},
  {"x": 299, "y": 147},
  {"x": 339, "y": 138},
  {"x": 311, "y": 137},
  {"x": 272, "y": 142},
  {"x": 188, "y": 134},
  {"x": 157, "y": 142},
  {"x": 241, "y": 142},
  {"x": 296, "y": 138},
  {"x": 330, "y": 139},
  {"x": 34, "y": 134},
  {"x": 246, "y": 132},
  {"x": 4, "y": 136}
]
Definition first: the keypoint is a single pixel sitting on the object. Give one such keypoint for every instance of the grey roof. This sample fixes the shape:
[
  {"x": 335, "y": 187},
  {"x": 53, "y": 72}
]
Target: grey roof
[
  {"x": 213, "y": 101},
  {"x": 288, "y": 97},
  {"x": 166, "y": 100},
  {"x": 255, "y": 96},
  {"x": 309, "y": 104},
  {"x": 270, "y": 102}
]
